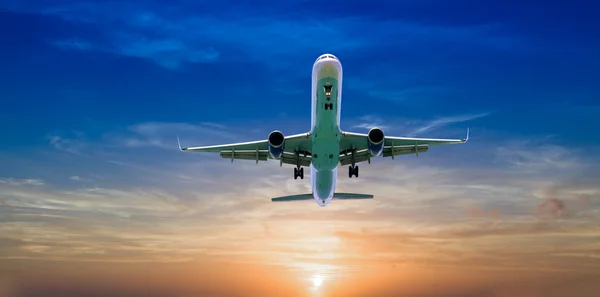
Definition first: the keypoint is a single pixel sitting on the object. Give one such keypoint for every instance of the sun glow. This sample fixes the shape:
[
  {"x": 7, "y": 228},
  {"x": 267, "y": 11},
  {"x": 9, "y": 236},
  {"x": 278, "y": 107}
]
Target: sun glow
[{"x": 317, "y": 281}]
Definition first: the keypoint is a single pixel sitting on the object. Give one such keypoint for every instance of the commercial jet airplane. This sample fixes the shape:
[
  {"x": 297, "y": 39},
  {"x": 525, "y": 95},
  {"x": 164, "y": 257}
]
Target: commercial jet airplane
[{"x": 326, "y": 145}]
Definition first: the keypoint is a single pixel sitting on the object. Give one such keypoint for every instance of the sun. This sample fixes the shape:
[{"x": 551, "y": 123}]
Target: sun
[{"x": 317, "y": 280}]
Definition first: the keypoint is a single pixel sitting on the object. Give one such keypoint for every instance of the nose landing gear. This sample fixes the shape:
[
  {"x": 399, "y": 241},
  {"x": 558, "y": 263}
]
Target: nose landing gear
[{"x": 327, "y": 88}]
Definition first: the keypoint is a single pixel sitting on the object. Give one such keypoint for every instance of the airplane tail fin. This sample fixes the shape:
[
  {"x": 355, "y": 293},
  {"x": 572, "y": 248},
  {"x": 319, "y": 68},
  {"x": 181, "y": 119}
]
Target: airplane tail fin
[{"x": 338, "y": 196}]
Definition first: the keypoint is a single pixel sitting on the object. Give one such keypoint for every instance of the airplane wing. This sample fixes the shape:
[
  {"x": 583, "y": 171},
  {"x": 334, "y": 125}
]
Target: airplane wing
[
  {"x": 393, "y": 146},
  {"x": 259, "y": 150}
]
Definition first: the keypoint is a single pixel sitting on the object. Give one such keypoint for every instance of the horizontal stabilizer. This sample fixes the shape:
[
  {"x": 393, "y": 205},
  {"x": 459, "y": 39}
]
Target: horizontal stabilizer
[
  {"x": 293, "y": 198},
  {"x": 350, "y": 196},
  {"x": 340, "y": 196}
]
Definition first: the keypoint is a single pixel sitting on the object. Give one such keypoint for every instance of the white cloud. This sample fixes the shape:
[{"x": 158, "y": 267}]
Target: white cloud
[
  {"x": 164, "y": 135},
  {"x": 537, "y": 156},
  {"x": 178, "y": 36},
  {"x": 21, "y": 182},
  {"x": 444, "y": 121},
  {"x": 367, "y": 122},
  {"x": 74, "y": 144}
]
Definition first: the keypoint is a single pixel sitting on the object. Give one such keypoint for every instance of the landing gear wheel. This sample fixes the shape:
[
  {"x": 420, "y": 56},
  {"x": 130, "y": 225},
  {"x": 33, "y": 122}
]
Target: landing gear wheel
[
  {"x": 352, "y": 170},
  {"x": 299, "y": 172}
]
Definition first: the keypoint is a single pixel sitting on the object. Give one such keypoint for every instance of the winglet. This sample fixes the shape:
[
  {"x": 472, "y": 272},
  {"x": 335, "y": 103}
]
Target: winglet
[
  {"x": 179, "y": 144},
  {"x": 467, "y": 138}
]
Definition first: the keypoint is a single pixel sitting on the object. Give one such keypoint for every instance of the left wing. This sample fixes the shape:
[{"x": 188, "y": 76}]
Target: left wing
[
  {"x": 259, "y": 150},
  {"x": 392, "y": 146}
]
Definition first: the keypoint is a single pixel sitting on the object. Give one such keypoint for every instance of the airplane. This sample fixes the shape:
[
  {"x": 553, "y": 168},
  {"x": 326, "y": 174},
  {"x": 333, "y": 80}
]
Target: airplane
[{"x": 325, "y": 146}]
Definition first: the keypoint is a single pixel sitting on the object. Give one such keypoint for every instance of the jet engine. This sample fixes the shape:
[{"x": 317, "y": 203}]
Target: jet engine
[
  {"x": 376, "y": 141},
  {"x": 276, "y": 140}
]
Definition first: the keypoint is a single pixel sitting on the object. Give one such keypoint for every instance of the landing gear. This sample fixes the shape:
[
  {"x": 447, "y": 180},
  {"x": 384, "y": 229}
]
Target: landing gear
[
  {"x": 328, "y": 106},
  {"x": 352, "y": 170},
  {"x": 327, "y": 89},
  {"x": 299, "y": 172}
]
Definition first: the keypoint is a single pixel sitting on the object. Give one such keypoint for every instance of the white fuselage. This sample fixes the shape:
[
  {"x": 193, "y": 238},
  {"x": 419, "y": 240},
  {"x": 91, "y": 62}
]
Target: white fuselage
[{"x": 326, "y": 95}]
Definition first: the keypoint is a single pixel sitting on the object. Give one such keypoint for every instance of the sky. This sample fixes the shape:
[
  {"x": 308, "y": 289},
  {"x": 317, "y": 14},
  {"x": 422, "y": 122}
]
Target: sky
[{"x": 97, "y": 200}]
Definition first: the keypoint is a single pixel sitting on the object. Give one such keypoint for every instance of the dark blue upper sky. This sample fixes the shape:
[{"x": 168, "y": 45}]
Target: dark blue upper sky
[{"x": 97, "y": 66}]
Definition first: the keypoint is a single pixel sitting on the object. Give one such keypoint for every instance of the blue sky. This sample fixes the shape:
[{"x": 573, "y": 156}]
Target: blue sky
[{"x": 94, "y": 93}]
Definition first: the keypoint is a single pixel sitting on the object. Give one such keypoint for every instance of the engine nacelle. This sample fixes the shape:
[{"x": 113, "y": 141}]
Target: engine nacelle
[
  {"x": 276, "y": 140},
  {"x": 376, "y": 138}
]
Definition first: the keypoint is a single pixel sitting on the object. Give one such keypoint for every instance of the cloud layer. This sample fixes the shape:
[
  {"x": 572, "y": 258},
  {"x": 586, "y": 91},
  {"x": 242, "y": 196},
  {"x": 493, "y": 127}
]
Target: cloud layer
[{"x": 529, "y": 213}]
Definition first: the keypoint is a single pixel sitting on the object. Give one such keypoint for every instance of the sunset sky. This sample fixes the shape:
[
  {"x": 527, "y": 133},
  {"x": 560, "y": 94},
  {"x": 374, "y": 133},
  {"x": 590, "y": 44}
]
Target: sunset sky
[{"x": 97, "y": 200}]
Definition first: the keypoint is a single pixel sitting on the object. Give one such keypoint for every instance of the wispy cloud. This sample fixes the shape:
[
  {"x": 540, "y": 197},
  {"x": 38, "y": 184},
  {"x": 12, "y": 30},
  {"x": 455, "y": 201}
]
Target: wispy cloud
[
  {"x": 73, "y": 44},
  {"x": 538, "y": 155},
  {"x": 409, "y": 127},
  {"x": 173, "y": 36},
  {"x": 444, "y": 121},
  {"x": 21, "y": 182},
  {"x": 367, "y": 122},
  {"x": 426, "y": 215},
  {"x": 73, "y": 142},
  {"x": 442, "y": 197},
  {"x": 163, "y": 134}
]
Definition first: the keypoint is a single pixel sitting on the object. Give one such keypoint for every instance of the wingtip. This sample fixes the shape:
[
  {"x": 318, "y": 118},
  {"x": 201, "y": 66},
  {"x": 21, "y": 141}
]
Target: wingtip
[
  {"x": 467, "y": 137},
  {"x": 179, "y": 144}
]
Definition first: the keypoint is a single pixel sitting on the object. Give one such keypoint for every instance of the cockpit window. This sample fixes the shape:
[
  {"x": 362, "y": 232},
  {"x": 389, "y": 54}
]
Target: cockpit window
[{"x": 326, "y": 56}]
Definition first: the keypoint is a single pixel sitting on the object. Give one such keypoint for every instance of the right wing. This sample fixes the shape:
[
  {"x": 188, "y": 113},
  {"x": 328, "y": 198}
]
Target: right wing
[
  {"x": 392, "y": 146},
  {"x": 259, "y": 150}
]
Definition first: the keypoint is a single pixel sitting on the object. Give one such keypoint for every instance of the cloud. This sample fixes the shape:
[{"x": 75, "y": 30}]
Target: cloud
[
  {"x": 73, "y": 44},
  {"x": 409, "y": 127},
  {"x": 538, "y": 155},
  {"x": 367, "y": 122},
  {"x": 433, "y": 203},
  {"x": 444, "y": 121},
  {"x": 21, "y": 182},
  {"x": 172, "y": 36},
  {"x": 164, "y": 134},
  {"x": 75, "y": 143},
  {"x": 427, "y": 216},
  {"x": 170, "y": 54}
]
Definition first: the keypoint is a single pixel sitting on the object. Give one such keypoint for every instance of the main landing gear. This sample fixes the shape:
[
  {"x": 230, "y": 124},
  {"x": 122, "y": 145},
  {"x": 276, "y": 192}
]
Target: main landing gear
[
  {"x": 352, "y": 170},
  {"x": 298, "y": 171},
  {"x": 328, "y": 106}
]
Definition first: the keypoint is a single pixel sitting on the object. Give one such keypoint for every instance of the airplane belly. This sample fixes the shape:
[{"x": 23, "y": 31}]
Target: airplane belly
[
  {"x": 326, "y": 133},
  {"x": 323, "y": 184}
]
